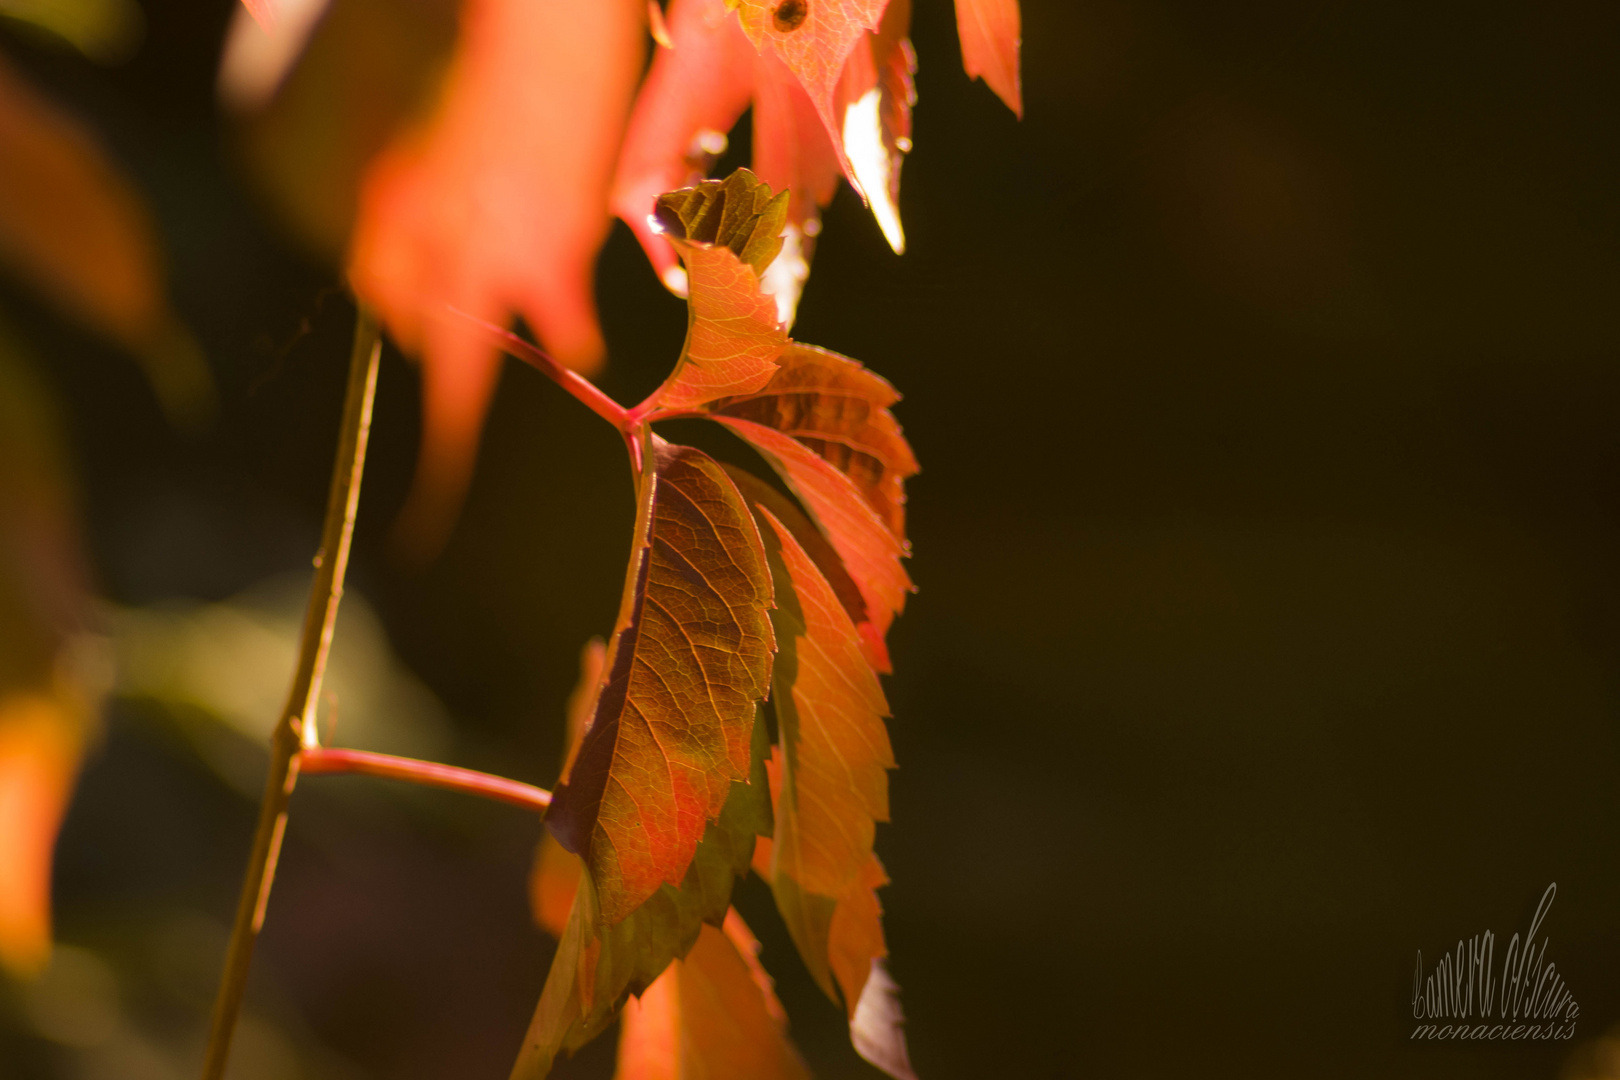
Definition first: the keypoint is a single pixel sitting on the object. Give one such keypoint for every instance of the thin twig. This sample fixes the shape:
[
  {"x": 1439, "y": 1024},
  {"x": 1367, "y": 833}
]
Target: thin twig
[
  {"x": 467, "y": 781},
  {"x": 297, "y": 723},
  {"x": 571, "y": 381}
]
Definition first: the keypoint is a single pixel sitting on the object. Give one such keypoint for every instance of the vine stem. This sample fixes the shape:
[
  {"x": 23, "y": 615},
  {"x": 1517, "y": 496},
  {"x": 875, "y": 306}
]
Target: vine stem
[
  {"x": 322, "y": 760},
  {"x": 296, "y": 727}
]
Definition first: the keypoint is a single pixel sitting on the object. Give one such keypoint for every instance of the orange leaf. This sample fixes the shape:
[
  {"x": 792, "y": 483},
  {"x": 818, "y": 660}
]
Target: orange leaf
[
  {"x": 689, "y": 660},
  {"x": 40, "y": 742},
  {"x": 839, "y": 409},
  {"x": 727, "y": 233},
  {"x": 835, "y": 755},
  {"x": 75, "y": 229},
  {"x": 989, "y": 30},
  {"x": 823, "y": 422},
  {"x": 496, "y": 206},
  {"x": 46, "y": 712},
  {"x": 871, "y": 553},
  {"x": 855, "y": 949},
  {"x": 711, "y": 1015}
]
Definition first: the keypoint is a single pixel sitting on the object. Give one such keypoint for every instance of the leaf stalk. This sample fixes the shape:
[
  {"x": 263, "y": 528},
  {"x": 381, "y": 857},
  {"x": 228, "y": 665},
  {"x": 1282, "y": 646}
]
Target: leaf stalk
[{"x": 468, "y": 781}]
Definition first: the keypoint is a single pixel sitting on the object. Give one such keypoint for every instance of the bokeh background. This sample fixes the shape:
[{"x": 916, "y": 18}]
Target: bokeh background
[{"x": 1266, "y": 381}]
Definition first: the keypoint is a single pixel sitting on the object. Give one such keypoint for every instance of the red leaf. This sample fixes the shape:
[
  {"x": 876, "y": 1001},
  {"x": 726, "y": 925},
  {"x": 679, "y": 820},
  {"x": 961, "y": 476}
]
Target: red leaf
[
  {"x": 989, "y": 30},
  {"x": 498, "y": 204},
  {"x": 689, "y": 660},
  {"x": 713, "y": 1014}
]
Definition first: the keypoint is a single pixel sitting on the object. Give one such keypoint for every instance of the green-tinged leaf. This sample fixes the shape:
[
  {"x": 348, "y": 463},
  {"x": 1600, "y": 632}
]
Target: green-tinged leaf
[
  {"x": 738, "y": 213},
  {"x": 734, "y": 332},
  {"x": 689, "y": 661},
  {"x": 598, "y": 965}
]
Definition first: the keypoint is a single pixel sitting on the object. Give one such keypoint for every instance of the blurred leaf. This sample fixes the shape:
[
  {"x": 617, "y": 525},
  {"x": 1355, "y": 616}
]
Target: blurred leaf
[
  {"x": 265, "y": 39},
  {"x": 73, "y": 228},
  {"x": 712, "y": 1015},
  {"x": 106, "y": 31},
  {"x": 689, "y": 659},
  {"x": 989, "y": 30},
  {"x": 41, "y": 740},
  {"x": 49, "y": 684},
  {"x": 496, "y": 206}
]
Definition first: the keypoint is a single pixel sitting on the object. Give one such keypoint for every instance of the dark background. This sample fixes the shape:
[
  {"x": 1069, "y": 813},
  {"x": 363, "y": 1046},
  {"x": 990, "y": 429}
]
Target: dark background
[{"x": 1265, "y": 382}]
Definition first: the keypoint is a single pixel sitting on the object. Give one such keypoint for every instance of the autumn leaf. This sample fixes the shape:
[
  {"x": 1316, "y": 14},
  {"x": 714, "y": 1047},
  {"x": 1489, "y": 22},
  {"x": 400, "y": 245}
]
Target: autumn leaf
[
  {"x": 689, "y": 659},
  {"x": 47, "y": 705},
  {"x": 555, "y": 876},
  {"x": 74, "y": 229},
  {"x": 814, "y": 38},
  {"x": 712, "y": 1015},
  {"x": 597, "y": 964},
  {"x": 823, "y": 422},
  {"x": 877, "y": 93},
  {"x": 835, "y": 752},
  {"x": 698, "y": 87},
  {"x": 41, "y": 740},
  {"x": 497, "y": 205},
  {"x": 726, "y": 234},
  {"x": 989, "y": 30},
  {"x": 694, "y": 92}
]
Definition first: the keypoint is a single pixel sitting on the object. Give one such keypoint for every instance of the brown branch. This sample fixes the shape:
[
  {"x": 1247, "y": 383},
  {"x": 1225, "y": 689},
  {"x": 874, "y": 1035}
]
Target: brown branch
[
  {"x": 297, "y": 723},
  {"x": 431, "y": 774}
]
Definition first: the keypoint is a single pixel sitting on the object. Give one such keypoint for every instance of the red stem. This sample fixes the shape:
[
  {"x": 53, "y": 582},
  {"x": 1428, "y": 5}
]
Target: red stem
[
  {"x": 468, "y": 781},
  {"x": 576, "y": 384}
]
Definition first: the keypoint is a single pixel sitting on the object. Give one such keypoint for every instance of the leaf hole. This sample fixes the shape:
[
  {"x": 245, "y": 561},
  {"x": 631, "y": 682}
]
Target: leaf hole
[{"x": 789, "y": 15}]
